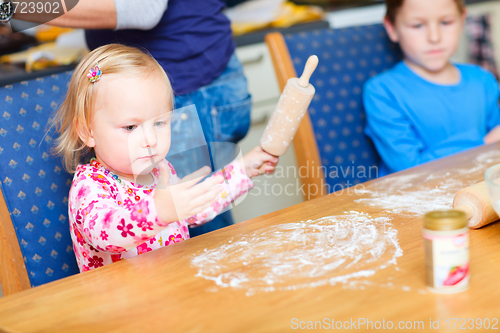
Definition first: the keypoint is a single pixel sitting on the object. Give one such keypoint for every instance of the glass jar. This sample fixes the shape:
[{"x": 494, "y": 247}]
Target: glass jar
[{"x": 446, "y": 239}]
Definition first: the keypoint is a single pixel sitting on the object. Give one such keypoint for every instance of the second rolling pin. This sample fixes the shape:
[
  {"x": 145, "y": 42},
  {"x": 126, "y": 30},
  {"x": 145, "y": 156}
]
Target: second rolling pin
[{"x": 474, "y": 201}]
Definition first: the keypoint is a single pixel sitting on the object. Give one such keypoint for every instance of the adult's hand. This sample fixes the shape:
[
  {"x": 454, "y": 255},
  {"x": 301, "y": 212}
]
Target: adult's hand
[
  {"x": 87, "y": 14},
  {"x": 94, "y": 14}
]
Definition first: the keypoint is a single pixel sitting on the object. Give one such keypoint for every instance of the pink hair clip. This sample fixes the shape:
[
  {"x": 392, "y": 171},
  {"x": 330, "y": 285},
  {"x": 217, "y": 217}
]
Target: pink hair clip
[{"x": 94, "y": 74}]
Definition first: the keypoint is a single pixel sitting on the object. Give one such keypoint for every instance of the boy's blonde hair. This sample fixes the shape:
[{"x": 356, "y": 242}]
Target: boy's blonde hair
[
  {"x": 75, "y": 115},
  {"x": 394, "y": 5}
]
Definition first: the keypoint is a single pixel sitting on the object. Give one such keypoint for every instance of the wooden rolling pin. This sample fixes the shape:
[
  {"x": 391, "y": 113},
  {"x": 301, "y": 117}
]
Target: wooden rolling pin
[
  {"x": 474, "y": 201},
  {"x": 292, "y": 107}
]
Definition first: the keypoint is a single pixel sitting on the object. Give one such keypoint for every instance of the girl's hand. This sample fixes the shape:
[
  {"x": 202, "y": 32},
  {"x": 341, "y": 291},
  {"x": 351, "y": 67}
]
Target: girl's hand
[
  {"x": 257, "y": 161},
  {"x": 188, "y": 198}
]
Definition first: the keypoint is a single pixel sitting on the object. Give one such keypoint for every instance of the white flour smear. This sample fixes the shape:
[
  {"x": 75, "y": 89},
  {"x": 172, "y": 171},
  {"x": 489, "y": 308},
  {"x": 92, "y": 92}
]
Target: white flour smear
[
  {"x": 330, "y": 250},
  {"x": 436, "y": 191},
  {"x": 399, "y": 201},
  {"x": 359, "y": 284},
  {"x": 483, "y": 161}
]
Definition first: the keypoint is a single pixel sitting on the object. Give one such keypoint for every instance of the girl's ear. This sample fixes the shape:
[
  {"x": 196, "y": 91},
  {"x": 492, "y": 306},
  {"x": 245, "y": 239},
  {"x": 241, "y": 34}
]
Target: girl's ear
[
  {"x": 85, "y": 135},
  {"x": 464, "y": 16},
  {"x": 391, "y": 30}
]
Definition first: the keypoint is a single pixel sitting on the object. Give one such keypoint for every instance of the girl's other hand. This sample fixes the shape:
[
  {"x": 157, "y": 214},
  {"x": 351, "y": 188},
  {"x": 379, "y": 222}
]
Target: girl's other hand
[
  {"x": 187, "y": 198},
  {"x": 257, "y": 161}
]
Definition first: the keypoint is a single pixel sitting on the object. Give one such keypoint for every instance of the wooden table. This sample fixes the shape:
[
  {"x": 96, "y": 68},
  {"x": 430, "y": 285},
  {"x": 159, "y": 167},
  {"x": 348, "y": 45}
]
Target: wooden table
[{"x": 160, "y": 291}]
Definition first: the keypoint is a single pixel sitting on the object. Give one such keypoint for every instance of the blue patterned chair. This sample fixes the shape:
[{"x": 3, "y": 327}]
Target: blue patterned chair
[
  {"x": 332, "y": 136},
  {"x": 35, "y": 243}
]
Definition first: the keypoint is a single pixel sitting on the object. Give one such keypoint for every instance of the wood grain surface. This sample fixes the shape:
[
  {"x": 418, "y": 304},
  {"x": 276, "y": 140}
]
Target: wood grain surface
[{"x": 160, "y": 291}]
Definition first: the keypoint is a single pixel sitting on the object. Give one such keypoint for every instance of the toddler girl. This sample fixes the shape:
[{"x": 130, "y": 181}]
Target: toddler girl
[{"x": 128, "y": 199}]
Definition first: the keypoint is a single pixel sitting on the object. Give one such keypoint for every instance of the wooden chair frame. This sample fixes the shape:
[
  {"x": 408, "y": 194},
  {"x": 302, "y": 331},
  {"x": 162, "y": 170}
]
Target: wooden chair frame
[
  {"x": 306, "y": 147},
  {"x": 13, "y": 274}
]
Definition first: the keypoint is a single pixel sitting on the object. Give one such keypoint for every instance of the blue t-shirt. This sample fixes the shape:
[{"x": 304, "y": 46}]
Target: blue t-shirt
[
  {"x": 193, "y": 42},
  {"x": 412, "y": 120}
]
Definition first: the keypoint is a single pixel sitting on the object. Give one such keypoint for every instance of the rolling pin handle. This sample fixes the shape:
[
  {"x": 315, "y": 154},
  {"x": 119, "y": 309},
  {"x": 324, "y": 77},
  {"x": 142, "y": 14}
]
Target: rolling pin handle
[
  {"x": 467, "y": 209},
  {"x": 311, "y": 65}
]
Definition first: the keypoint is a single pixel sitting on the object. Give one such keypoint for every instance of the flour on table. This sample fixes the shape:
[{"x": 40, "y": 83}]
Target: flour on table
[
  {"x": 307, "y": 254},
  {"x": 482, "y": 161},
  {"x": 360, "y": 284},
  {"x": 419, "y": 202},
  {"x": 436, "y": 190}
]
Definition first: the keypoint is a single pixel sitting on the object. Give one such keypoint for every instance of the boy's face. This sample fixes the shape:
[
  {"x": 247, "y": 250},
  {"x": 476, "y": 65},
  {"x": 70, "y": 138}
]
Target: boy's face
[
  {"x": 428, "y": 32},
  {"x": 130, "y": 129}
]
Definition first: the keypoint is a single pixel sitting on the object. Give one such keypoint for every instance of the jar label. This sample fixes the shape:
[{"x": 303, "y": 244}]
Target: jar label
[{"x": 447, "y": 260}]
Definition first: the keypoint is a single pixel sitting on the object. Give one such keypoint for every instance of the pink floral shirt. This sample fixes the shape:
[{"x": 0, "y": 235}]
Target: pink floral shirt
[{"x": 110, "y": 221}]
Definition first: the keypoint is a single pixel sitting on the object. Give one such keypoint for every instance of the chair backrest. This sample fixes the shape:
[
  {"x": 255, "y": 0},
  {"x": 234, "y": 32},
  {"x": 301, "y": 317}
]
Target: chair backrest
[
  {"x": 35, "y": 243},
  {"x": 332, "y": 138}
]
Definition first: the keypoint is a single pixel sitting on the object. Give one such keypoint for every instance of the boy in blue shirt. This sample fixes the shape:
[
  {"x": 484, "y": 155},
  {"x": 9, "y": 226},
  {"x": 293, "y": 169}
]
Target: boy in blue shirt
[{"x": 427, "y": 107}]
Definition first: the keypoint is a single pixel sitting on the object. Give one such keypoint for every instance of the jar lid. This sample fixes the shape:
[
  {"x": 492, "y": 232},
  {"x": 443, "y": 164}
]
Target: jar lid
[{"x": 442, "y": 220}]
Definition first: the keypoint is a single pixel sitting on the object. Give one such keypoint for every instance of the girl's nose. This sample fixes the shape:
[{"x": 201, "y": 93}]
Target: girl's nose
[{"x": 149, "y": 137}]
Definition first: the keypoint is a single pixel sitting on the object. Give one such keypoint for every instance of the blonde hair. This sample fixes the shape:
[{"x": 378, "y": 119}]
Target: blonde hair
[{"x": 76, "y": 112}]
